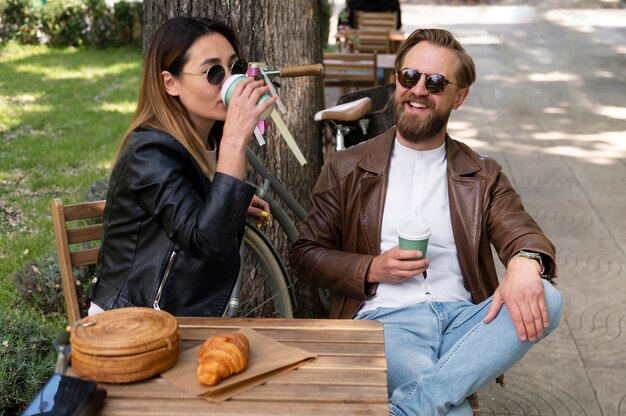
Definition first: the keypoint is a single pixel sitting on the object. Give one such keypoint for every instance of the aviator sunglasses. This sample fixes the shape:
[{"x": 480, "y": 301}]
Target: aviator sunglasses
[
  {"x": 435, "y": 83},
  {"x": 216, "y": 73}
]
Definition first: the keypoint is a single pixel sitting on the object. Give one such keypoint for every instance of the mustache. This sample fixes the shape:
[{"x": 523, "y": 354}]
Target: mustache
[{"x": 410, "y": 97}]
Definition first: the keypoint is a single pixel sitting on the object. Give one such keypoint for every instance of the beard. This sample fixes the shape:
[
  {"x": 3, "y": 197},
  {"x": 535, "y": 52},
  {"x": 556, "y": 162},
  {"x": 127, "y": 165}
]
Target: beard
[{"x": 414, "y": 128}]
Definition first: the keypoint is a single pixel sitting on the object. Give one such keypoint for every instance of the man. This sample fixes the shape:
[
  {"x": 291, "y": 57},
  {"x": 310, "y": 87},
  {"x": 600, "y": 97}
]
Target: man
[{"x": 449, "y": 331}]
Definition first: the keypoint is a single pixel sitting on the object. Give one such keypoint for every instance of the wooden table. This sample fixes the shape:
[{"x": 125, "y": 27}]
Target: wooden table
[
  {"x": 387, "y": 61},
  {"x": 396, "y": 38},
  {"x": 348, "y": 377}
]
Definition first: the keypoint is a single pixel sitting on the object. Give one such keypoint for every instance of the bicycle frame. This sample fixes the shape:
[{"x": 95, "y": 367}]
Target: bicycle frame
[
  {"x": 279, "y": 214},
  {"x": 282, "y": 297}
]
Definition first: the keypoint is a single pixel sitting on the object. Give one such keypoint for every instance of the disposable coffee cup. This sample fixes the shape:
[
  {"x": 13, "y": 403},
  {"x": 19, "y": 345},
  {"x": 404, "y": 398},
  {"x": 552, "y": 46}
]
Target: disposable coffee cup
[
  {"x": 414, "y": 235},
  {"x": 229, "y": 87}
]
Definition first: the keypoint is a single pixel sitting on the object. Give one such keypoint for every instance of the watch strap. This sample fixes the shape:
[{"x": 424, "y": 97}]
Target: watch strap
[{"x": 534, "y": 256}]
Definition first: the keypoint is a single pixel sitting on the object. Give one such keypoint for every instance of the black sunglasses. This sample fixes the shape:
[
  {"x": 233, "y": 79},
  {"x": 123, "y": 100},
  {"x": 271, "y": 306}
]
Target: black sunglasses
[
  {"x": 216, "y": 73},
  {"x": 435, "y": 83}
]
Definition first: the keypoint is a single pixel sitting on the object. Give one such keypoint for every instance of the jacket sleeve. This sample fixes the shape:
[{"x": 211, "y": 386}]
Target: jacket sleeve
[
  {"x": 511, "y": 228},
  {"x": 161, "y": 178},
  {"x": 319, "y": 255}
]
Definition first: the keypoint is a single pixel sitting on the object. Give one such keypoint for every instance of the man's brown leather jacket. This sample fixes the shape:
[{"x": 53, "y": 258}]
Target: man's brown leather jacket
[{"x": 341, "y": 235}]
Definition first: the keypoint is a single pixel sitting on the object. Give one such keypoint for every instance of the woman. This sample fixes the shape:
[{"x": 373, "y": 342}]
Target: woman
[{"x": 177, "y": 202}]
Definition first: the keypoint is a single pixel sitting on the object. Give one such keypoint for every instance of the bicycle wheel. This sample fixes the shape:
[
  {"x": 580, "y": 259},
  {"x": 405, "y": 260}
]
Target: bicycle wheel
[{"x": 264, "y": 288}]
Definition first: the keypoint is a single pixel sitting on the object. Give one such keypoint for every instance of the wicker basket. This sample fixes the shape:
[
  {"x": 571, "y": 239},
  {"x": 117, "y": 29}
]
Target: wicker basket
[{"x": 124, "y": 345}]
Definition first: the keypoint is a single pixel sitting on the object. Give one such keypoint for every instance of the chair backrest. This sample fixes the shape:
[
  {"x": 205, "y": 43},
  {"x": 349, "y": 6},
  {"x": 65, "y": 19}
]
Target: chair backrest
[
  {"x": 384, "y": 20},
  {"x": 65, "y": 237},
  {"x": 350, "y": 69},
  {"x": 373, "y": 41}
]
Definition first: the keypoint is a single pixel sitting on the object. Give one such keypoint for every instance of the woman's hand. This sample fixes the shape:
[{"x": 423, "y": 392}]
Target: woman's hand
[
  {"x": 259, "y": 209},
  {"x": 243, "y": 112},
  {"x": 242, "y": 117}
]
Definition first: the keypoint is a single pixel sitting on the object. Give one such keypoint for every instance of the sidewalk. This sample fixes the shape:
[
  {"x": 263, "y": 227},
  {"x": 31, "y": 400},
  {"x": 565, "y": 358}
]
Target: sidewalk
[
  {"x": 546, "y": 4},
  {"x": 550, "y": 106}
]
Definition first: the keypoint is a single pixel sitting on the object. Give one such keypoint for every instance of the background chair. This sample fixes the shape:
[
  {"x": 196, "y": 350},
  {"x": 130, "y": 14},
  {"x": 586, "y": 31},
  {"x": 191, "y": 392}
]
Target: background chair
[
  {"x": 380, "y": 20},
  {"x": 473, "y": 401},
  {"x": 373, "y": 41},
  {"x": 350, "y": 70},
  {"x": 64, "y": 238}
]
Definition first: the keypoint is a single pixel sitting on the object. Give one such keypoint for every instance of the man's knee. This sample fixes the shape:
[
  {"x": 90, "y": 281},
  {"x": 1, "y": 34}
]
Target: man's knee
[{"x": 554, "y": 303}]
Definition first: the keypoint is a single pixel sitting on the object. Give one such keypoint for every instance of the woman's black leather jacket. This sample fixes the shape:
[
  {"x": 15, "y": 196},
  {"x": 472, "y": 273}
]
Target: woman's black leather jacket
[{"x": 171, "y": 236}]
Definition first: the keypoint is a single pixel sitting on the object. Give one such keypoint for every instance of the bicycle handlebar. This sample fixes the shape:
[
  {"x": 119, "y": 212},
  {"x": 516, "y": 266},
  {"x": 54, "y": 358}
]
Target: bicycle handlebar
[
  {"x": 302, "y": 70},
  {"x": 295, "y": 71}
]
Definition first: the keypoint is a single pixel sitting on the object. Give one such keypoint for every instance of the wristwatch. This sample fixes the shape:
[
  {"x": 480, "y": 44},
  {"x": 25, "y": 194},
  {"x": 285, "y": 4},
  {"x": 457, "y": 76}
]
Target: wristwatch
[{"x": 534, "y": 256}]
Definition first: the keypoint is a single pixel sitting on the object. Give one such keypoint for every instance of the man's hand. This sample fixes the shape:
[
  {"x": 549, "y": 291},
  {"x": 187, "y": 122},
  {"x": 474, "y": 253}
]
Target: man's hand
[
  {"x": 522, "y": 291},
  {"x": 395, "y": 266}
]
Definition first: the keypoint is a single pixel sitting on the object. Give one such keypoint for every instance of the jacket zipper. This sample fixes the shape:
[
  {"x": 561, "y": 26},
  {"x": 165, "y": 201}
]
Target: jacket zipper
[{"x": 168, "y": 269}]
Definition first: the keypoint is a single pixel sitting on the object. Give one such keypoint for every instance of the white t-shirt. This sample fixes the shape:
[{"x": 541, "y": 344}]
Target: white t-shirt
[{"x": 418, "y": 187}]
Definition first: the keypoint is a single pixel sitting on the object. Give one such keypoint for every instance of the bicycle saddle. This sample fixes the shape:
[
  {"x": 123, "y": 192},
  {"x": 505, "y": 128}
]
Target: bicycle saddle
[{"x": 351, "y": 111}]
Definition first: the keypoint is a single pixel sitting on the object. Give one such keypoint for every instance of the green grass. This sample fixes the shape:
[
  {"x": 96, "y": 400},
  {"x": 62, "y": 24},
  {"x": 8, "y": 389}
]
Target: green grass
[{"x": 62, "y": 115}]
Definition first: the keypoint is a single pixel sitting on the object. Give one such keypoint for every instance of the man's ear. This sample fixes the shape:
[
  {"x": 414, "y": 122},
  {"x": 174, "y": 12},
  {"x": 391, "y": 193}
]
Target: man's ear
[
  {"x": 460, "y": 97},
  {"x": 170, "y": 84}
]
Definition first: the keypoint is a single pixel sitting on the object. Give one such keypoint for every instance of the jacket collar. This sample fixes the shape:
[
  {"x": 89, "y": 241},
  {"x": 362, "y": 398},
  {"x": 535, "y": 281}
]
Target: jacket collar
[
  {"x": 461, "y": 160},
  {"x": 377, "y": 158}
]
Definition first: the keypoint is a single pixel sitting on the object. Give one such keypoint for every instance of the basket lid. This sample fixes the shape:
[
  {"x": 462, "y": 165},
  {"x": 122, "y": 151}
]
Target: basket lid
[{"x": 124, "y": 331}]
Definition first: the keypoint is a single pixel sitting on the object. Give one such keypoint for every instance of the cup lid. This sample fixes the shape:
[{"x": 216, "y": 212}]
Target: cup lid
[
  {"x": 230, "y": 81},
  {"x": 414, "y": 230}
]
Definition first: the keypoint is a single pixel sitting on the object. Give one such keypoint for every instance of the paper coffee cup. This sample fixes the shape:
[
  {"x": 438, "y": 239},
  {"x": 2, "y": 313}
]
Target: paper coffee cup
[
  {"x": 414, "y": 235},
  {"x": 229, "y": 87}
]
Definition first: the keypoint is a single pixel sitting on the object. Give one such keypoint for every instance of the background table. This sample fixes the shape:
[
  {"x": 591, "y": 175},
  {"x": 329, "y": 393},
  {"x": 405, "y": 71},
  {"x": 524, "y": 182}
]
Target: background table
[
  {"x": 348, "y": 377},
  {"x": 386, "y": 61}
]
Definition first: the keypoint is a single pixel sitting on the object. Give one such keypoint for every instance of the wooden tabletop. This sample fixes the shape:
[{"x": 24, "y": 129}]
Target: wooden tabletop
[
  {"x": 348, "y": 377},
  {"x": 386, "y": 60}
]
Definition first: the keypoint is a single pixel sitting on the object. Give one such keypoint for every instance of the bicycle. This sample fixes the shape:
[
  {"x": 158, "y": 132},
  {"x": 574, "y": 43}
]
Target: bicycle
[
  {"x": 356, "y": 121},
  {"x": 264, "y": 287}
]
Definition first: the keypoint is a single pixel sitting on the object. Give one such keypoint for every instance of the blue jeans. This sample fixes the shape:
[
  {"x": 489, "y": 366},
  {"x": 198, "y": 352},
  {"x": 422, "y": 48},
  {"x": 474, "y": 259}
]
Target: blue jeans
[{"x": 440, "y": 353}]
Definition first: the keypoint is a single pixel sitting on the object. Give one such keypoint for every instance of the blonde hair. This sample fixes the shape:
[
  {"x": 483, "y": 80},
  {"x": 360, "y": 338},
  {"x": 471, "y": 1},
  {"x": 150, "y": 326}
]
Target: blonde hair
[
  {"x": 466, "y": 73},
  {"x": 155, "y": 107}
]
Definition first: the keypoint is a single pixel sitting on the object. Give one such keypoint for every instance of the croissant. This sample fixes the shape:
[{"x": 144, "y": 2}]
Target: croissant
[{"x": 221, "y": 356}]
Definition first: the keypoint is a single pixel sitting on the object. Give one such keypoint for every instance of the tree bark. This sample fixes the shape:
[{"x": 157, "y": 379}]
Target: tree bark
[{"x": 280, "y": 33}]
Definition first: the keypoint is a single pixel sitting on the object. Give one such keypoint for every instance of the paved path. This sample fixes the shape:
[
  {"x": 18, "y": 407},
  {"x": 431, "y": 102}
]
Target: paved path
[{"x": 550, "y": 105}]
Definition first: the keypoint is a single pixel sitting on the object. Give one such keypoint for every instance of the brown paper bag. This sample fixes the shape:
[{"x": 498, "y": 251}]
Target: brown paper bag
[{"x": 268, "y": 358}]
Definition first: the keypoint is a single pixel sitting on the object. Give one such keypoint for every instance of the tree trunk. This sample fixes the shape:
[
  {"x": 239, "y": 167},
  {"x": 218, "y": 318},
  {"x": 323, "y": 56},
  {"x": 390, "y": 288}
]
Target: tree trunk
[{"x": 280, "y": 33}]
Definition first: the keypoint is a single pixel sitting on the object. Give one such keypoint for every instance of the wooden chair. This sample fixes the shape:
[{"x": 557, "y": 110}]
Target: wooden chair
[
  {"x": 381, "y": 20},
  {"x": 64, "y": 238},
  {"x": 473, "y": 401},
  {"x": 373, "y": 41},
  {"x": 350, "y": 70}
]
